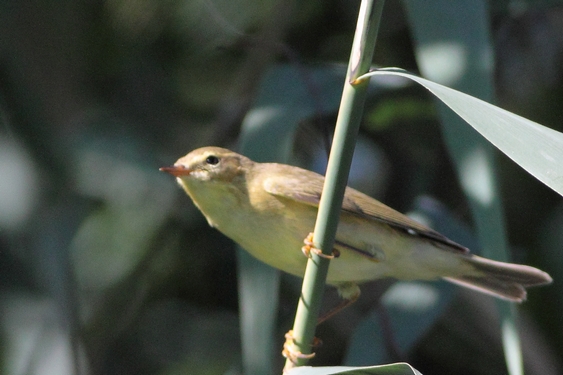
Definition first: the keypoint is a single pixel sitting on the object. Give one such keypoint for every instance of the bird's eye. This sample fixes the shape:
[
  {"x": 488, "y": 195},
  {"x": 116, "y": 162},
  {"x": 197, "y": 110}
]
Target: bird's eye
[{"x": 211, "y": 159}]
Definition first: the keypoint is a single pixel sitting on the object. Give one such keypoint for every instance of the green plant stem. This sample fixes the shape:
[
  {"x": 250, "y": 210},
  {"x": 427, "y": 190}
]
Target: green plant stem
[{"x": 347, "y": 125}]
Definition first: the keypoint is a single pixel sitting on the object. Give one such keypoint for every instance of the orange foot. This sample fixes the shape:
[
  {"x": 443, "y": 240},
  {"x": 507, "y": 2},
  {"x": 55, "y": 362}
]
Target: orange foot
[
  {"x": 310, "y": 247},
  {"x": 291, "y": 353}
]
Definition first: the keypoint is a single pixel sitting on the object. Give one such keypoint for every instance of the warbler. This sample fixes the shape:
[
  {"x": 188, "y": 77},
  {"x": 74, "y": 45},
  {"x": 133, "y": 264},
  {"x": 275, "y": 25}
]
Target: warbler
[{"x": 270, "y": 208}]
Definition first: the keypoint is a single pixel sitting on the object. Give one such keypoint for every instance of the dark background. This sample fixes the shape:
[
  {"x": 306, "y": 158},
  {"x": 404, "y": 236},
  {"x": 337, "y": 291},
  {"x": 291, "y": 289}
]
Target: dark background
[{"x": 102, "y": 257}]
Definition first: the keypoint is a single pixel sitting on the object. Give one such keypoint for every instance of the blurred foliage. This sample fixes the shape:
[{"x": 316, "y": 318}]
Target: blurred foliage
[{"x": 105, "y": 265}]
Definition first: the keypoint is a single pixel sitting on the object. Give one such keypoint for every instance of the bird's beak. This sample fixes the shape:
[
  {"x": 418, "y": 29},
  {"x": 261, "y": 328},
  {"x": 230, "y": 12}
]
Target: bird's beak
[{"x": 176, "y": 170}]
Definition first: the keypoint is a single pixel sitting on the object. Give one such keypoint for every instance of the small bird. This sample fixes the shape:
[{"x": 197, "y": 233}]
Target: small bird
[{"x": 270, "y": 208}]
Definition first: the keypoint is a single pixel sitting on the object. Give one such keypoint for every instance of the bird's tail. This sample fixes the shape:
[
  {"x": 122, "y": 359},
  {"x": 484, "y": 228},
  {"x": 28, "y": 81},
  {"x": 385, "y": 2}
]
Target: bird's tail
[{"x": 504, "y": 280}]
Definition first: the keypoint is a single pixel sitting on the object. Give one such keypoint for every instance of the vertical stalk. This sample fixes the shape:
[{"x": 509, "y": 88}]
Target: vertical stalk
[{"x": 347, "y": 125}]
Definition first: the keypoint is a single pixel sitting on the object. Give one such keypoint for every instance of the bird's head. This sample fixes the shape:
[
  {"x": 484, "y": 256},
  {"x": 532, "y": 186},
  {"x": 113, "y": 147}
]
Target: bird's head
[{"x": 208, "y": 164}]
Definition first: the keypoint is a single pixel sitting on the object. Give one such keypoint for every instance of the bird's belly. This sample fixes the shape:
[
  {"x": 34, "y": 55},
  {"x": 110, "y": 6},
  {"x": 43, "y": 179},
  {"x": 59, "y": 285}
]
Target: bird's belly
[
  {"x": 275, "y": 240},
  {"x": 372, "y": 250}
]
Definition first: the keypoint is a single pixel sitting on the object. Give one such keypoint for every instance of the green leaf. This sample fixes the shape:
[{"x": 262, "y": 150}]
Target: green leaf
[
  {"x": 536, "y": 148},
  {"x": 392, "y": 369}
]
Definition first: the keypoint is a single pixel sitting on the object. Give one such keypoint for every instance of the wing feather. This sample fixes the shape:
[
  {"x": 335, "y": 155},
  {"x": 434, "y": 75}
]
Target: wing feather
[{"x": 305, "y": 186}]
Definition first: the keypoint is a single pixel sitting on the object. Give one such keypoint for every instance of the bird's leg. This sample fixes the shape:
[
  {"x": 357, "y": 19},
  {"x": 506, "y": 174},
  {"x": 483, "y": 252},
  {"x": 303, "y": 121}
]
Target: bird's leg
[
  {"x": 350, "y": 293},
  {"x": 310, "y": 248}
]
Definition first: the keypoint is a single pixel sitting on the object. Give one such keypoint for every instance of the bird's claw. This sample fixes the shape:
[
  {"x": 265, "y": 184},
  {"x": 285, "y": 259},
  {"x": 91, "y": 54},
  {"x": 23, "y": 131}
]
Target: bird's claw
[
  {"x": 293, "y": 354},
  {"x": 310, "y": 248}
]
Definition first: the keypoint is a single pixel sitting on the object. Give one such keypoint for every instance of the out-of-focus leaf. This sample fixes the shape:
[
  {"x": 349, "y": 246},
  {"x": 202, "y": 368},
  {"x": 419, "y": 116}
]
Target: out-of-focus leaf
[
  {"x": 113, "y": 239},
  {"x": 19, "y": 190},
  {"x": 35, "y": 342},
  {"x": 523, "y": 5},
  {"x": 288, "y": 95},
  {"x": 188, "y": 338},
  {"x": 410, "y": 309}
]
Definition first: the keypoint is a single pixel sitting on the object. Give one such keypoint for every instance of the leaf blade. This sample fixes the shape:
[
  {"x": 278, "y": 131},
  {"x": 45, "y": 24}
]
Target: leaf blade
[{"x": 536, "y": 148}]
